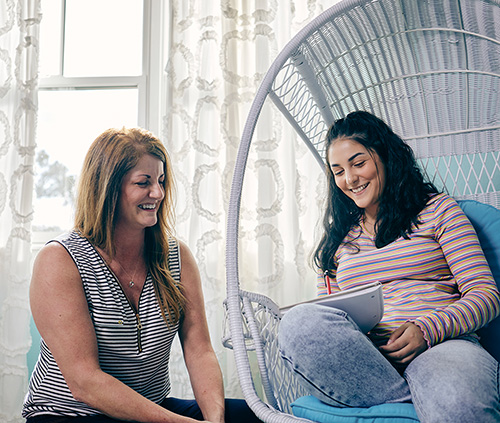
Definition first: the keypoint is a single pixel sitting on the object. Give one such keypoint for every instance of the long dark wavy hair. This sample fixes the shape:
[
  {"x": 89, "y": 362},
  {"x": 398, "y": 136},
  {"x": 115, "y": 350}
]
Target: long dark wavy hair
[{"x": 403, "y": 197}]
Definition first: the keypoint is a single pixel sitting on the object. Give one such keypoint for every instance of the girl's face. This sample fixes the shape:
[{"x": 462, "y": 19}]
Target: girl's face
[
  {"x": 141, "y": 193},
  {"x": 359, "y": 174}
]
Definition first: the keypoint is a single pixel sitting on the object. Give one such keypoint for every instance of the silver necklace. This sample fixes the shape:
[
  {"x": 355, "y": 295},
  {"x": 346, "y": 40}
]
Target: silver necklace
[{"x": 131, "y": 282}]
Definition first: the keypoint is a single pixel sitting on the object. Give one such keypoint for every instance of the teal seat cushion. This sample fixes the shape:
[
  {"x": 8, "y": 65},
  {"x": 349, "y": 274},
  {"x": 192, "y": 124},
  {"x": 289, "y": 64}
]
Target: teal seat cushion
[
  {"x": 486, "y": 222},
  {"x": 313, "y": 409}
]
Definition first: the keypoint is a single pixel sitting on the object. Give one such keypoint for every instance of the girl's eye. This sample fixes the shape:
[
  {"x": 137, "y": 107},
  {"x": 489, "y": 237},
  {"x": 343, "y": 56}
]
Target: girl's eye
[
  {"x": 142, "y": 184},
  {"x": 338, "y": 172},
  {"x": 359, "y": 164}
]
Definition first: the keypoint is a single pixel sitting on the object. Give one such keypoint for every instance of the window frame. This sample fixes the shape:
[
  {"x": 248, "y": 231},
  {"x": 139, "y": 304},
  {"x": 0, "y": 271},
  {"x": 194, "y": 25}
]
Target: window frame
[
  {"x": 148, "y": 85},
  {"x": 151, "y": 93}
]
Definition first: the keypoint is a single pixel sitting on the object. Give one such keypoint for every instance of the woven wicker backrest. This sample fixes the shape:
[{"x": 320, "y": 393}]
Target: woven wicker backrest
[{"x": 429, "y": 68}]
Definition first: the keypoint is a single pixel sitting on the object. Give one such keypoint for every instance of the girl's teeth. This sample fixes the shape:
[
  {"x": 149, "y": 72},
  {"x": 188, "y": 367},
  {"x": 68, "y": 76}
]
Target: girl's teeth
[{"x": 362, "y": 187}]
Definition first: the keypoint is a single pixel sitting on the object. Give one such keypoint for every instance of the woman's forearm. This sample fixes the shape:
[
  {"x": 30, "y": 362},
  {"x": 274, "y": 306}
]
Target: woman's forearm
[
  {"x": 115, "y": 399},
  {"x": 207, "y": 384}
]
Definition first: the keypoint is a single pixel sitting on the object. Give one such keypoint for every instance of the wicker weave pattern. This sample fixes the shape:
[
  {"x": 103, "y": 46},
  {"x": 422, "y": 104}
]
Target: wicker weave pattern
[
  {"x": 431, "y": 70},
  {"x": 261, "y": 320}
]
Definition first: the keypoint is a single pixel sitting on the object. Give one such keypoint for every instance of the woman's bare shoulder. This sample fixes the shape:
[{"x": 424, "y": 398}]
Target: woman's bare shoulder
[{"x": 53, "y": 263}]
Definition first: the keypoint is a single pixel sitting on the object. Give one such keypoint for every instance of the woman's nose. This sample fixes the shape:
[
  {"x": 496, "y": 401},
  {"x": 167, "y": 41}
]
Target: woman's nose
[{"x": 157, "y": 191}]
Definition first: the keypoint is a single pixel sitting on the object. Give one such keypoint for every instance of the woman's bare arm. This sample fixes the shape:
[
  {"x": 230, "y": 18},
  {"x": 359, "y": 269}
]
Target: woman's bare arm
[
  {"x": 62, "y": 317},
  {"x": 200, "y": 358}
]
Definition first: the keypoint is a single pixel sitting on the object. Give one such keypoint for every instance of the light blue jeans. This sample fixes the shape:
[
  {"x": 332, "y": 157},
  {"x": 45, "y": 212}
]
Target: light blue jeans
[{"x": 455, "y": 381}]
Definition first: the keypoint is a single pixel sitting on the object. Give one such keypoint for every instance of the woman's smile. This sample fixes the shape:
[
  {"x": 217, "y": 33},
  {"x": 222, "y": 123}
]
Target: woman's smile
[
  {"x": 142, "y": 193},
  {"x": 150, "y": 207}
]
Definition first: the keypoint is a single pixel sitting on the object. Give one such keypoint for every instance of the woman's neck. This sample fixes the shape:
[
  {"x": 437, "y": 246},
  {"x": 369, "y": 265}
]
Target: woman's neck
[{"x": 129, "y": 245}]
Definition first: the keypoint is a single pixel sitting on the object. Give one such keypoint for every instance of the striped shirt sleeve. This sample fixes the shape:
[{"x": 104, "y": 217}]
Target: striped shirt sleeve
[{"x": 480, "y": 300}]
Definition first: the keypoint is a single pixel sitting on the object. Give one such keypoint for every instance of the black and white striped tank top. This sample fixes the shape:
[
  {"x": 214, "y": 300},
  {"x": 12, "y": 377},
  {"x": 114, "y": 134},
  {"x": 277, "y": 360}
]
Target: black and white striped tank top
[{"x": 133, "y": 348}]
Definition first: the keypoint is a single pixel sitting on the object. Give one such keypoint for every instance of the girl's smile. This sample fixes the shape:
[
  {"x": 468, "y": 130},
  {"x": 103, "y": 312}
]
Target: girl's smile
[{"x": 358, "y": 172}]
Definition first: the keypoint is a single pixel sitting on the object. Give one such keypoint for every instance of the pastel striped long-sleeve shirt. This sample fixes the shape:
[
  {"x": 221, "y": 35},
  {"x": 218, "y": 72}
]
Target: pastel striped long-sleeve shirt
[{"x": 438, "y": 279}]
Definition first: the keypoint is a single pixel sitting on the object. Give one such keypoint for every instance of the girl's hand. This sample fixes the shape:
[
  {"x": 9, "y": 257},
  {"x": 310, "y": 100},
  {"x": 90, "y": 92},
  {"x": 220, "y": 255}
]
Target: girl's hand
[{"x": 404, "y": 344}]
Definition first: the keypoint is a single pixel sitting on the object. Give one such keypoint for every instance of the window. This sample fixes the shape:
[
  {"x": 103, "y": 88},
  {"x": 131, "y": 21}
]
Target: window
[{"x": 98, "y": 69}]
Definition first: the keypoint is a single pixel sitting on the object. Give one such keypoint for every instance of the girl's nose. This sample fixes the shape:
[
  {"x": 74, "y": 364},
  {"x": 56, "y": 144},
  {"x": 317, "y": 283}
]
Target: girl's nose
[{"x": 351, "y": 178}]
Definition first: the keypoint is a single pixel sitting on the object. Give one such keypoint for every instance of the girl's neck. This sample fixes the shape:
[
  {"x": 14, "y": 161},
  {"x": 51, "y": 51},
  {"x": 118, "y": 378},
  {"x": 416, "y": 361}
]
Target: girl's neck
[
  {"x": 370, "y": 214},
  {"x": 368, "y": 223},
  {"x": 369, "y": 220}
]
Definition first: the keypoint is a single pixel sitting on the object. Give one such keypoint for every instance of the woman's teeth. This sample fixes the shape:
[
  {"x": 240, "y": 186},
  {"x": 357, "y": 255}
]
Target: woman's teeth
[{"x": 359, "y": 189}]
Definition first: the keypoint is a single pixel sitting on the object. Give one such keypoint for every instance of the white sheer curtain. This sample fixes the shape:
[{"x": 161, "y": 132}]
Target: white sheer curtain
[
  {"x": 219, "y": 52},
  {"x": 19, "y": 26}
]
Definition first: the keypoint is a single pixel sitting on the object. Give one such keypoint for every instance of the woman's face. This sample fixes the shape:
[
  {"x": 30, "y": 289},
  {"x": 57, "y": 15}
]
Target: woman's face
[
  {"x": 141, "y": 193},
  {"x": 359, "y": 174}
]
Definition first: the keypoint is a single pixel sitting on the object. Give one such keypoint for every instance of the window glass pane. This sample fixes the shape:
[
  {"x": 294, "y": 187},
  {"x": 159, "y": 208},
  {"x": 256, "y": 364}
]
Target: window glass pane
[
  {"x": 103, "y": 38},
  {"x": 50, "y": 38},
  {"x": 68, "y": 122}
]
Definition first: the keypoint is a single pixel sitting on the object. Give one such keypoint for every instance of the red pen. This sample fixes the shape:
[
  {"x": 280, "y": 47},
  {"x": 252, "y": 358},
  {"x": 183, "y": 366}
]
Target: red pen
[{"x": 327, "y": 282}]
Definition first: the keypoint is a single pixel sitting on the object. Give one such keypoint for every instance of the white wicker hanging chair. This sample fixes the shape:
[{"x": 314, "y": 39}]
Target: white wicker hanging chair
[{"x": 431, "y": 70}]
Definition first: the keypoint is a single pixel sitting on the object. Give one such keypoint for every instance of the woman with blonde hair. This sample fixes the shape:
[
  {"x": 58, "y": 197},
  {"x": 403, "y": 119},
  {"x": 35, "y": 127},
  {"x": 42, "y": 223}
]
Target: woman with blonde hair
[{"x": 109, "y": 297}]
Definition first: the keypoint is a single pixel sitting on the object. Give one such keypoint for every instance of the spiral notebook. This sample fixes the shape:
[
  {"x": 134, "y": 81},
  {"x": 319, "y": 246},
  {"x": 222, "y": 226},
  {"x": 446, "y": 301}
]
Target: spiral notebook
[{"x": 364, "y": 304}]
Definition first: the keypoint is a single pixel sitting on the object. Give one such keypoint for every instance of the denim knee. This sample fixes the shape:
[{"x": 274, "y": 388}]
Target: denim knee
[
  {"x": 456, "y": 380},
  {"x": 335, "y": 361},
  {"x": 305, "y": 323}
]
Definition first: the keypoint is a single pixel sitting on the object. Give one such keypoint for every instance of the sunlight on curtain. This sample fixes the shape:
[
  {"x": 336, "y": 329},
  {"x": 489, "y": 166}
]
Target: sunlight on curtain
[
  {"x": 219, "y": 53},
  {"x": 19, "y": 25}
]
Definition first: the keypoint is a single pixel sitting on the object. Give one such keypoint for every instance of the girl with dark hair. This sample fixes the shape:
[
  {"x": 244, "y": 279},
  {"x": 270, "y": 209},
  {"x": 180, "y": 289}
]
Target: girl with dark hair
[
  {"x": 109, "y": 297},
  {"x": 385, "y": 223}
]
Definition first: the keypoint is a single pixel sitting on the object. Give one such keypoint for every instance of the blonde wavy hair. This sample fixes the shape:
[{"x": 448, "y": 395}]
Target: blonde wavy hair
[{"x": 110, "y": 157}]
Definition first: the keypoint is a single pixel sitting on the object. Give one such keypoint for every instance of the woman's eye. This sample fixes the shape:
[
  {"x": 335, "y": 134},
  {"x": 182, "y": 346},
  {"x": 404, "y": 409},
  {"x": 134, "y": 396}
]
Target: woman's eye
[
  {"x": 142, "y": 184},
  {"x": 359, "y": 164},
  {"x": 338, "y": 172}
]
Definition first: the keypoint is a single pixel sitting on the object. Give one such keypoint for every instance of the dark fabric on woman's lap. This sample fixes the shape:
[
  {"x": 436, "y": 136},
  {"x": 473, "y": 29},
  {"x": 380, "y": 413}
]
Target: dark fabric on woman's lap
[{"x": 237, "y": 411}]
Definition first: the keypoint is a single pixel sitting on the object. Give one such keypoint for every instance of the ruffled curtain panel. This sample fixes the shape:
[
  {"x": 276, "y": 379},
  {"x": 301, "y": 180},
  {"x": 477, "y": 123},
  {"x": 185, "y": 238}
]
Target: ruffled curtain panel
[
  {"x": 19, "y": 27},
  {"x": 219, "y": 53}
]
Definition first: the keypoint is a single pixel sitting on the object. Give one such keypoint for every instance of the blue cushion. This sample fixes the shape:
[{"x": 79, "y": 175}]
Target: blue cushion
[
  {"x": 32, "y": 355},
  {"x": 313, "y": 409},
  {"x": 486, "y": 222}
]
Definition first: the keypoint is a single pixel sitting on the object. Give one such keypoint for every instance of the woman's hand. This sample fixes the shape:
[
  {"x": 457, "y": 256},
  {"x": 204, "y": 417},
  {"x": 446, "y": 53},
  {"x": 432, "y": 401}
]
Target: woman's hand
[{"x": 404, "y": 344}]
